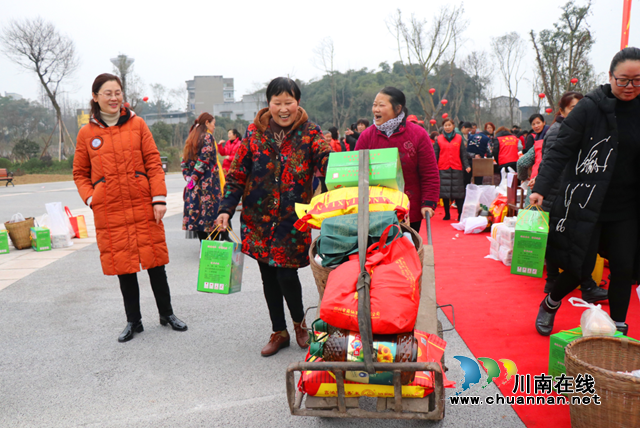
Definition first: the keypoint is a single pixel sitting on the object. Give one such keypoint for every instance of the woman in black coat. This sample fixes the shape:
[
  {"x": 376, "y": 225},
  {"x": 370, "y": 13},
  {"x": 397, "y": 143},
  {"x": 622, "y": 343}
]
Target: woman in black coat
[
  {"x": 597, "y": 152},
  {"x": 452, "y": 158}
]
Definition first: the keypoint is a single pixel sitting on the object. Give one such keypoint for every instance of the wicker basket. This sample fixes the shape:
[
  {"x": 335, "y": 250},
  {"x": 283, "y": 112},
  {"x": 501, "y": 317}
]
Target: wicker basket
[
  {"x": 20, "y": 233},
  {"x": 602, "y": 358},
  {"x": 321, "y": 274}
]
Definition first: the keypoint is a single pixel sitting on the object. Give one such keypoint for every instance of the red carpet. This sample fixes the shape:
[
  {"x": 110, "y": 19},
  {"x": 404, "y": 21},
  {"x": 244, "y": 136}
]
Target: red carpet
[{"x": 495, "y": 311}]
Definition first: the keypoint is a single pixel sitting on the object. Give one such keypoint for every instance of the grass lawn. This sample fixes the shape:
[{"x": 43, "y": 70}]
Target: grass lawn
[{"x": 41, "y": 178}]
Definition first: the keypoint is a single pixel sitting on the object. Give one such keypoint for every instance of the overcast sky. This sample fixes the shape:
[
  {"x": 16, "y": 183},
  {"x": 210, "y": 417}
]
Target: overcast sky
[{"x": 254, "y": 42}]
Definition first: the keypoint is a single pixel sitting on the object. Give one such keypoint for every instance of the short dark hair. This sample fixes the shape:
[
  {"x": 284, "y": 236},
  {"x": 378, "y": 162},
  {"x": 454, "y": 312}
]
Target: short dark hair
[
  {"x": 534, "y": 117},
  {"x": 397, "y": 98},
  {"x": 465, "y": 125},
  {"x": 474, "y": 124},
  {"x": 334, "y": 132},
  {"x": 626, "y": 54},
  {"x": 364, "y": 122},
  {"x": 281, "y": 85}
]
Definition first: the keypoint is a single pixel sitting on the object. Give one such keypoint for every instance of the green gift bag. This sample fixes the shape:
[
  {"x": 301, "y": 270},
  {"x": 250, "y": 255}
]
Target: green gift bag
[
  {"x": 339, "y": 235},
  {"x": 4, "y": 242},
  {"x": 221, "y": 265},
  {"x": 530, "y": 242}
]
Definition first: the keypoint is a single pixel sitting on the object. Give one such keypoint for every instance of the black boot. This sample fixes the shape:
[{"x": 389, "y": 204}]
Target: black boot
[
  {"x": 546, "y": 316},
  {"x": 174, "y": 322},
  {"x": 127, "y": 333},
  {"x": 624, "y": 330},
  {"x": 594, "y": 294}
]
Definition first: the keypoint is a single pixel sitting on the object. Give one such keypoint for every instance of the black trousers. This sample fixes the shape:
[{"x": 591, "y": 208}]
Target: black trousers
[
  {"x": 447, "y": 205},
  {"x": 279, "y": 283},
  {"x": 619, "y": 241},
  {"x": 553, "y": 272},
  {"x": 131, "y": 293},
  {"x": 415, "y": 225}
]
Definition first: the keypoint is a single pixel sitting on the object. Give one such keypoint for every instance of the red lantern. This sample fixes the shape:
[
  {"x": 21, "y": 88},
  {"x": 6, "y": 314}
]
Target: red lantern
[
  {"x": 446, "y": 115},
  {"x": 145, "y": 99},
  {"x": 574, "y": 80},
  {"x": 127, "y": 105},
  {"x": 549, "y": 110},
  {"x": 432, "y": 91},
  {"x": 444, "y": 102},
  {"x": 433, "y": 121},
  {"x": 542, "y": 95}
]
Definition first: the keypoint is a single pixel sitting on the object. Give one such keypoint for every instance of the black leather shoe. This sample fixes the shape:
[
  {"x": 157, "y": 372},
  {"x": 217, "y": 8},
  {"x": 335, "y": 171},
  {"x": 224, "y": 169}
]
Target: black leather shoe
[
  {"x": 594, "y": 294},
  {"x": 546, "y": 316},
  {"x": 127, "y": 333},
  {"x": 174, "y": 322},
  {"x": 624, "y": 330}
]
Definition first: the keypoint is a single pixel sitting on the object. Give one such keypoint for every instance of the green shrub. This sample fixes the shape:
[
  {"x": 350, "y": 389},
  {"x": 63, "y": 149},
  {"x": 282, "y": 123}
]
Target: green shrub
[{"x": 6, "y": 163}]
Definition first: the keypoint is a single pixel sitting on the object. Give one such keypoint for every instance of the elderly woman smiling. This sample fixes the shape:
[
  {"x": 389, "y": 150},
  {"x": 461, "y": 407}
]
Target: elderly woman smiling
[
  {"x": 272, "y": 171},
  {"x": 419, "y": 166}
]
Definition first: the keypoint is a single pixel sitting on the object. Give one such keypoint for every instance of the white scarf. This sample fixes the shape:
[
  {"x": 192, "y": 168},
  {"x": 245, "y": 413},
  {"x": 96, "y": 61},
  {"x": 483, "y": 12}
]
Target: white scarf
[{"x": 390, "y": 125}]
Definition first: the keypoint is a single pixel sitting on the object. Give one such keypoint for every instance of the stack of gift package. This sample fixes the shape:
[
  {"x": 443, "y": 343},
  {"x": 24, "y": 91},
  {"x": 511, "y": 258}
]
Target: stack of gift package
[{"x": 395, "y": 267}]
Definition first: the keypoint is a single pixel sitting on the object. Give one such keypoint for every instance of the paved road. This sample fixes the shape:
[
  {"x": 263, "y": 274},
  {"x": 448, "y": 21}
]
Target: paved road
[{"x": 61, "y": 366}]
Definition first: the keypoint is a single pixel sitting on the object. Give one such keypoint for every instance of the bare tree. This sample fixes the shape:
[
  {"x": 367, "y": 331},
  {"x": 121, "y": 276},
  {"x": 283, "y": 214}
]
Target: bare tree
[
  {"x": 563, "y": 53},
  {"x": 38, "y": 46},
  {"x": 159, "y": 95},
  {"x": 325, "y": 54},
  {"x": 509, "y": 52},
  {"x": 479, "y": 67},
  {"x": 421, "y": 49},
  {"x": 179, "y": 97}
]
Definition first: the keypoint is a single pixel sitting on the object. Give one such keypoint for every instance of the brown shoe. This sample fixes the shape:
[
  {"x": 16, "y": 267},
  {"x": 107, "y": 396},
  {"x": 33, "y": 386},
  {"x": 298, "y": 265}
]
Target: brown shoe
[
  {"x": 278, "y": 340},
  {"x": 302, "y": 335}
]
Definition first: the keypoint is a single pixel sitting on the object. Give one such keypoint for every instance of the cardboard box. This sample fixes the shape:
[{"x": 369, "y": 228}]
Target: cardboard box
[
  {"x": 4, "y": 242},
  {"x": 558, "y": 342},
  {"x": 530, "y": 243},
  {"x": 221, "y": 266},
  {"x": 384, "y": 169},
  {"x": 40, "y": 239}
]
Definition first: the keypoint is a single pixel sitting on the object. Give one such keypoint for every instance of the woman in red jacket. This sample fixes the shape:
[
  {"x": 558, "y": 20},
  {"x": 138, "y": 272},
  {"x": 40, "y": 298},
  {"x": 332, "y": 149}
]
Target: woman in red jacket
[
  {"x": 419, "y": 167},
  {"x": 118, "y": 172},
  {"x": 229, "y": 148},
  {"x": 452, "y": 158}
]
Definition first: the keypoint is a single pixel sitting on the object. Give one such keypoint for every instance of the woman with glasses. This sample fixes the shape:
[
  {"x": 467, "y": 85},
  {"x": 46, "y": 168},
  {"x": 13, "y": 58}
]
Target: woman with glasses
[
  {"x": 596, "y": 156},
  {"x": 118, "y": 172}
]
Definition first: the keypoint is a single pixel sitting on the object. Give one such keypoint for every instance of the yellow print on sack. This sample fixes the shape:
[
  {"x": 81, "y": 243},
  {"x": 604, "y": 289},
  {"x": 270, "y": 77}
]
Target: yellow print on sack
[{"x": 406, "y": 272}]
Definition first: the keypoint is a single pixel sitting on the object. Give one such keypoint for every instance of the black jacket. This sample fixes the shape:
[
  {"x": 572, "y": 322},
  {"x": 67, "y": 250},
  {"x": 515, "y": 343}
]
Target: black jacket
[
  {"x": 549, "y": 141},
  {"x": 585, "y": 155},
  {"x": 351, "y": 140}
]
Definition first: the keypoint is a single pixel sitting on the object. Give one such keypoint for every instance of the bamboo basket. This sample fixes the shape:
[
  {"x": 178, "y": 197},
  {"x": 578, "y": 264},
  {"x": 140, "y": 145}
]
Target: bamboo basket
[
  {"x": 20, "y": 233},
  {"x": 321, "y": 273},
  {"x": 602, "y": 358}
]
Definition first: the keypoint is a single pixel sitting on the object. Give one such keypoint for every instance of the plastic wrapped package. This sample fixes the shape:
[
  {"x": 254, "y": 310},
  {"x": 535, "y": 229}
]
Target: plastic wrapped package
[
  {"x": 505, "y": 254},
  {"x": 506, "y": 235},
  {"x": 475, "y": 225},
  {"x": 594, "y": 321},
  {"x": 494, "y": 250},
  {"x": 510, "y": 221}
]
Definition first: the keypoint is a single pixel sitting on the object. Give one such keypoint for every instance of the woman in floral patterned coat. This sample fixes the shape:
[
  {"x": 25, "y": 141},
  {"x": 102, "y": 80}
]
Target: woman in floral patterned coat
[
  {"x": 272, "y": 171},
  {"x": 200, "y": 169}
]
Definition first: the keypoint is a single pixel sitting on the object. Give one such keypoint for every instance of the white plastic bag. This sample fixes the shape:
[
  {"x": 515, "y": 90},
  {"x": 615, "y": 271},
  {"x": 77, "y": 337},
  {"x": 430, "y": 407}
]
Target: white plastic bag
[
  {"x": 475, "y": 225},
  {"x": 17, "y": 218},
  {"x": 488, "y": 194},
  {"x": 459, "y": 226},
  {"x": 594, "y": 321},
  {"x": 471, "y": 206},
  {"x": 44, "y": 221},
  {"x": 59, "y": 225},
  {"x": 504, "y": 181}
]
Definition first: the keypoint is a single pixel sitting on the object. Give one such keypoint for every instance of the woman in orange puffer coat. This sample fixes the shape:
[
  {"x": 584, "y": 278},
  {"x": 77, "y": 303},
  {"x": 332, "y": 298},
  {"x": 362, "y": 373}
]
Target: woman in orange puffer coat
[{"x": 118, "y": 172}]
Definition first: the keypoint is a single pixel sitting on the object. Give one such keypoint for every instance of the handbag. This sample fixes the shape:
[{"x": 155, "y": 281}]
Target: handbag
[
  {"x": 78, "y": 223},
  {"x": 395, "y": 288}
]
